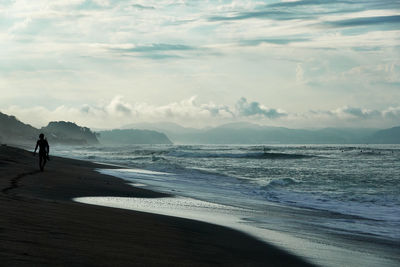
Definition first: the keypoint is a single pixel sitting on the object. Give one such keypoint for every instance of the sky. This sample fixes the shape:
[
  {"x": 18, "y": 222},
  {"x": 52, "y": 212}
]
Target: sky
[{"x": 108, "y": 63}]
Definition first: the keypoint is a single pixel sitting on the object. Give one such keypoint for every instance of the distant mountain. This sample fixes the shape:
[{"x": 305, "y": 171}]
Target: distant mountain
[
  {"x": 14, "y": 131},
  {"x": 249, "y": 133},
  {"x": 69, "y": 133},
  {"x": 132, "y": 136},
  {"x": 166, "y": 127},
  {"x": 387, "y": 136},
  {"x": 254, "y": 134},
  {"x": 173, "y": 131},
  {"x": 241, "y": 125}
]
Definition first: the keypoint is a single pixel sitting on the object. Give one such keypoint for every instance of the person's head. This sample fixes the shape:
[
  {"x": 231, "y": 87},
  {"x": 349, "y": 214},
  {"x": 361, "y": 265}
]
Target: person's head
[{"x": 41, "y": 136}]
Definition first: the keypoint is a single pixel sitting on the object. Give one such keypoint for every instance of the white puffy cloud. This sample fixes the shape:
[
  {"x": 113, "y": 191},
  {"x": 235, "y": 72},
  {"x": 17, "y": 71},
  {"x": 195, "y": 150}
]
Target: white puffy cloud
[
  {"x": 358, "y": 113},
  {"x": 119, "y": 112},
  {"x": 246, "y": 109},
  {"x": 118, "y": 107},
  {"x": 188, "y": 112},
  {"x": 392, "y": 113},
  {"x": 348, "y": 116}
]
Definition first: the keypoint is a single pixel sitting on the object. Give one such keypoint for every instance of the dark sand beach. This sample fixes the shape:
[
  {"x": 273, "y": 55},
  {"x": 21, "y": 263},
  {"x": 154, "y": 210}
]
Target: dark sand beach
[{"x": 41, "y": 225}]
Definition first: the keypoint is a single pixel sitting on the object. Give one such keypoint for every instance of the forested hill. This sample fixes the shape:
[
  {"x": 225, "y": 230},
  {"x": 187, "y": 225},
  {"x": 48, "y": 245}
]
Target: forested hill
[
  {"x": 132, "y": 136},
  {"x": 69, "y": 133},
  {"x": 13, "y": 131}
]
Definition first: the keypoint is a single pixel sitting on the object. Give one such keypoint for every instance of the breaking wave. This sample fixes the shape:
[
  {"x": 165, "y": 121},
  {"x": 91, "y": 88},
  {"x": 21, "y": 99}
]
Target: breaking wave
[{"x": 255, "y": 155}]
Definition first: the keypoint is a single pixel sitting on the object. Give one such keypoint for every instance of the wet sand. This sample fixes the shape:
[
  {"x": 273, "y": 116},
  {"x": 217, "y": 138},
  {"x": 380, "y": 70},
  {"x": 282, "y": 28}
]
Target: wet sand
[{"x": 41, "y": 225}]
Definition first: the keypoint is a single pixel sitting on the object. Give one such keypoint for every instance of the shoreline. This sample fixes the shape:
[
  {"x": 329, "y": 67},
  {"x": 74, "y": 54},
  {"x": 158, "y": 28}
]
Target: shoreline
[
  {"x": 320, "y": 247},
  {"x": 42, "y": 225}
]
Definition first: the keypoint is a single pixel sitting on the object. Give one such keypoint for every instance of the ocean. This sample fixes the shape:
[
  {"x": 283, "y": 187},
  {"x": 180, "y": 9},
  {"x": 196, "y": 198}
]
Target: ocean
[{"x": 344, "y": 196}]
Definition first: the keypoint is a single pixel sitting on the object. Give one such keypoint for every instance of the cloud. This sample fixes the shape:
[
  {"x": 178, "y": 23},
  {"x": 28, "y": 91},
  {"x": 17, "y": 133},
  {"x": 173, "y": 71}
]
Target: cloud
[
  {"x": 388, "y": 73},
  {"x": 189, "y": 112},
  {"x": 21, "y": 25},
  {"x": 320, "y": 13},
  {"x": 143, "y": 7},
  {"x": 278, "y": 41},
  {"x": 299, "y": 72},
  {"x": 118, "y": 112},
  {"x": 156, "y": 47},
  {"x": 358, "y": 113},
  {"x": 340, "y": 5},
  {"x": 346, "y": 116},
  {"x": 77, "y": 54},
  {"x": 365, "y": 21},
  {"x": 153, "y": 51},
  {"x": 187, "y": 109},
  {"x": 93, "y": 4},
  {"x": 392, "y": 113},
  {"x": 119, "y": 107},
  {"x": 315, "y": 22},
  {"x": 246, "y": 109},
  {"x": 292, "y": 10},
  {"x": 267, "y": 14},
  {"x": 288, "y": 4}
]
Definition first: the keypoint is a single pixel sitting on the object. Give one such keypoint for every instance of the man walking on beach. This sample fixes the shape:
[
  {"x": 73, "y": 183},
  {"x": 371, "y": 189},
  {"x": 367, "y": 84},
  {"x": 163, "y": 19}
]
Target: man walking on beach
[{"x": 44, "y": 150}]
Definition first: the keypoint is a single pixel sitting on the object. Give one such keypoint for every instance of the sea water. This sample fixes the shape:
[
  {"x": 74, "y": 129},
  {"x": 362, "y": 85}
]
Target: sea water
[{"x": 340, "y": 190}]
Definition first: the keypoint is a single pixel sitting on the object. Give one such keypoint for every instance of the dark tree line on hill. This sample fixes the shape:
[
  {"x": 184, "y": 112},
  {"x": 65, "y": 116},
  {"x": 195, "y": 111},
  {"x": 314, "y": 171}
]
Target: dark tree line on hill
[{"x": 14, "y": 131}]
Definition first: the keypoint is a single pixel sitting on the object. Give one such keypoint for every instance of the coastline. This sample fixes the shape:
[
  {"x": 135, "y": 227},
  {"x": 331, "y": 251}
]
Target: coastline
[
  {"x": 318, "y": 245},
  {"x": 41, "y": 225},
  {"x": 316, "y": 235}
]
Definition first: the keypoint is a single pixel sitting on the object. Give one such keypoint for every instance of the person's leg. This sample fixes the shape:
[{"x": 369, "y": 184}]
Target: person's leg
[
  {"x": 40, "y": 162},
  {"x": 44, "y": 161}
]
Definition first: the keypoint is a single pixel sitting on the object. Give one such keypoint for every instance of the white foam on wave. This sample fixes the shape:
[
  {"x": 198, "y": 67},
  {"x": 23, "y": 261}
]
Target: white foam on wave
[
  {"x": 130, "y": 174},
  {"x": 387, "y": 217},
  {"x": 138, "y": 185},
  {"x": 141, "y": 171}
]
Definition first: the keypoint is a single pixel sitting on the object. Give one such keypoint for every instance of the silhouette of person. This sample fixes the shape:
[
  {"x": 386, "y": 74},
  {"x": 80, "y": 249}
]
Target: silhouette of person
[{"x": 44, "y": 150}]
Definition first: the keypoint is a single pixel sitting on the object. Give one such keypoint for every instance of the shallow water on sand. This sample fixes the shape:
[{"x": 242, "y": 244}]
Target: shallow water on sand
[
  {"x": 311, "y": 249},
  {"x": 346, "y": 191}
]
